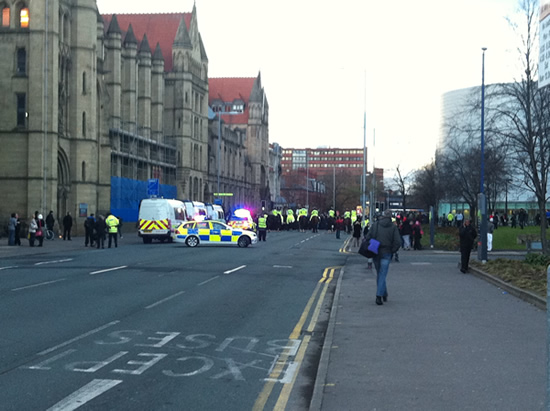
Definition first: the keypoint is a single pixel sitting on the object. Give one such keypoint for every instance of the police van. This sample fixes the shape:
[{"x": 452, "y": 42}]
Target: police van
[{"x": 159, "y": 217}]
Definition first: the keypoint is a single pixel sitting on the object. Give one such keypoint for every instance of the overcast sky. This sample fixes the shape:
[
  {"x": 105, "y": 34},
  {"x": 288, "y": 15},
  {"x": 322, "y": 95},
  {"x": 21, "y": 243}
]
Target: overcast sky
[{"x": 320, "y": 58}]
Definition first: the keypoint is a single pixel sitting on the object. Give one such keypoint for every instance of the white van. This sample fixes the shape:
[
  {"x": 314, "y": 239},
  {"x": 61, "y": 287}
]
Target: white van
[
  {"x": 200, "y": 211},
  {"x": 214, "y": 212},
  {"x": 159, "y": 217}
]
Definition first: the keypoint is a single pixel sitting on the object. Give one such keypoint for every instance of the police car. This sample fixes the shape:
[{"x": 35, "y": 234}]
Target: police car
[{"x": 193, "y": 233}]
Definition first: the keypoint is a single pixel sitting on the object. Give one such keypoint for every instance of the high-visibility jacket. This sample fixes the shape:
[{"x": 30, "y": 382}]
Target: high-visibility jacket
[
  {"x": 331, "y": 213},
  {"x": 112, "y": 223},
  {"x": 347, "y": 214},
  {"x": 262, "y": 223},
  {"x": 450, "y": 217},
  {"x": 314, "y": 213},
  {"x": 290, "y": 219}
]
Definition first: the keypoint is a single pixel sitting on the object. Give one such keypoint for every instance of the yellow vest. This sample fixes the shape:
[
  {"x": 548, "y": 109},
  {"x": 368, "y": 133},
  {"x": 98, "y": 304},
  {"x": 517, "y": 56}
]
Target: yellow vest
[
  {"x": 262, "y": 222},
  {"x": 112, "y": 223}
]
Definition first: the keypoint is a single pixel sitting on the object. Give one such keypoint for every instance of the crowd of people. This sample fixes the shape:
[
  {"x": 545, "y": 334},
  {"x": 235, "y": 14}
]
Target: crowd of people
[{"x": 39, "y": 228}]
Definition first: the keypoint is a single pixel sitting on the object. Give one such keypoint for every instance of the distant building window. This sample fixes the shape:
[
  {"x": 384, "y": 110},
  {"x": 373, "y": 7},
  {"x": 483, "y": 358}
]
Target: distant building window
[
  {"x": 83, "y": 171},
  {"x": 24, "y": 17},
  {"x": 21, "y": 109},
  {"x": 5, "y": 17},
  {"x": 84, "y": 124},
  {"x": 84, "y": 83},
  {"x": 21, "y": 61}
]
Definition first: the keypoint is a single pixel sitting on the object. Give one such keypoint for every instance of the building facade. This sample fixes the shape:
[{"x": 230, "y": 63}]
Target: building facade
[
  {"x": 91, "y": 98},
  {"x": 242, "y": 105}
]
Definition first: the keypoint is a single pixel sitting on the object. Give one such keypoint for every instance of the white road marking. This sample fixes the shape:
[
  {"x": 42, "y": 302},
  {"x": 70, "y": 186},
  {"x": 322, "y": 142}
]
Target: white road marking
[
  {"x": 235, "y": 269},
  {"x": 49, "y": 350},
  {"x": 8, "y": 267},
  {"x": 164, "y": 300},
  {"x": 54, "y": 261},
  {"x": 84, "y": 394},
  {"x": 38, "y": 285},
  {"x": 108, "y": 269},
  {"x": 282, "y": 266},
  {"x": 207, "y": 281},
  {"x": 42, "y": 365}
]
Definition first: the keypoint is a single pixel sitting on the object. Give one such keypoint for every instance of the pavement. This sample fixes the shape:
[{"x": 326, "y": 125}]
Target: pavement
[{"x": 443, "y": 341}]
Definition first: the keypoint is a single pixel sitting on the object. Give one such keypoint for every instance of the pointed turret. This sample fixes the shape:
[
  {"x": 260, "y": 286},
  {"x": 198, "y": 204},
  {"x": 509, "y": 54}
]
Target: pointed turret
[
  {"x": 130, "y": 36},
  {"x": 144, "y": 46},
  {"x": 182, "y": 38},
  {"x": 257, "y": 93},
  {"x": 158, "y": 53},
  {"x": 204, "y": 57},
  {"x": 114, "y": 28}
]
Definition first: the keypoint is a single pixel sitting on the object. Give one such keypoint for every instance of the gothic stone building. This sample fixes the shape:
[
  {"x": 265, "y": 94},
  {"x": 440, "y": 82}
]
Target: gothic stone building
[{"x": 94, "y": 98}]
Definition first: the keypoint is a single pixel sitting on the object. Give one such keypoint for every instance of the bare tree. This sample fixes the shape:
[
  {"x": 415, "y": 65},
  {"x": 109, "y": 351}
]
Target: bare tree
[
  {"x": 425, "y": 189},
  {"x": 403, "y": 183},
  {"x": 524, "y": 116}
]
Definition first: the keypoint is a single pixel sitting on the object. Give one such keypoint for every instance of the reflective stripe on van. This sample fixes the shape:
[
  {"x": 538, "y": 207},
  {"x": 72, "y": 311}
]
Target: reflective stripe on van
[{"x": 149, "y": 225}]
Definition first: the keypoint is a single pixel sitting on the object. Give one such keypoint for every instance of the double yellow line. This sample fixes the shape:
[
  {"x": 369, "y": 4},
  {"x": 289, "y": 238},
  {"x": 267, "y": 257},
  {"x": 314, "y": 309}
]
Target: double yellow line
[
  {"x": 346, "y": 246},
  {"x": 283, "y": 360}
]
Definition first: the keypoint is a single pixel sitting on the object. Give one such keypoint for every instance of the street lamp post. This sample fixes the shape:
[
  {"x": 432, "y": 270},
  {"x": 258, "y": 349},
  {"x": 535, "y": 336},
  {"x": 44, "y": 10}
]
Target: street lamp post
[{"x": 482, "y": 203}]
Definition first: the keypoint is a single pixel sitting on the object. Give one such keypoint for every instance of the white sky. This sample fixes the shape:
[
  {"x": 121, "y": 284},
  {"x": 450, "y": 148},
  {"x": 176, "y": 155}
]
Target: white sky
[{"x": 314, "y": 57}]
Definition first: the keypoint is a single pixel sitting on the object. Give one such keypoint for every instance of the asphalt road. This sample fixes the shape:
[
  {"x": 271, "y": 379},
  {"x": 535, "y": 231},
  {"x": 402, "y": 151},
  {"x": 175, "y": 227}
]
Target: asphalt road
[{"x": 164, "y": 326}]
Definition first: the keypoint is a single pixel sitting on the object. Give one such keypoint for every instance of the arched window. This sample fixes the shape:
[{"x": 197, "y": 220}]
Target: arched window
[
  {"x": 24, "y": 17},
  {"x": 83, "y": 171},
  {"x": 5, "y": 16},
  {"x": 84, "y": 124}
]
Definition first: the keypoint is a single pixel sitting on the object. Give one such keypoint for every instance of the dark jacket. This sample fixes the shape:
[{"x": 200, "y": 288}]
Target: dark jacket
[
  {"x": 467, "y": 234},
  {"x": 385, "y": 231}
]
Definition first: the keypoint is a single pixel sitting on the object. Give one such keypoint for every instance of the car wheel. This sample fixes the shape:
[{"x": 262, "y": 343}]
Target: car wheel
[
  {"x": 192, "y": 241},
  {"x": 243, "y": 241}
]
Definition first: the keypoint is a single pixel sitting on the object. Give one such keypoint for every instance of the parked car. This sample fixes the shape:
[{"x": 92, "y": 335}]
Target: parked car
[{"x": 193, "y": 233}]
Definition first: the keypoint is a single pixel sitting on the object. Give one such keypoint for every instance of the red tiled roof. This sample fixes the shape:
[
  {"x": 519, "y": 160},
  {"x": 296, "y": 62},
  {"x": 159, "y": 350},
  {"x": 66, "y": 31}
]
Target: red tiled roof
[
  {"x": 230, "y": 89},
  {"x": 160, "y": 28}
]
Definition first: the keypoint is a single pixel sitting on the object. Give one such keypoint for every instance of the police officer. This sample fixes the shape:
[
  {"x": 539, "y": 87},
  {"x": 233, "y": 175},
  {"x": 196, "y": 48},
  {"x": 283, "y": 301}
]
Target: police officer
[
  {"x": 262, "y": 227},
  {"x": 112, "y": 223}
]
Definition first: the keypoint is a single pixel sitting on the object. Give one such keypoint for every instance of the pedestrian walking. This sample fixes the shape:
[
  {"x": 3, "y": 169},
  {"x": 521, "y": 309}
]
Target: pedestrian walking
[
  {"x": 67, "y": 226},
  {"x": 417, "y": 236},
  {"x": 467, "y": 234},
  {"x": 386, "y": 232},
  {"x": 12, "y": 223},
  {"x": 17, "y": 230},
  {"x": 406, "y": 231},
  {"x": 40, "y": 230},
  {"x": 33, "y": 226},
  {"x": 112, "y": 225},
  {"x": 490, "y": 229},
  {"x": 89, "y": 226},
  {"x": 50, "y": 221},
  {"x": 100, "y": 228},
  {"x": 339, "y": 225}
]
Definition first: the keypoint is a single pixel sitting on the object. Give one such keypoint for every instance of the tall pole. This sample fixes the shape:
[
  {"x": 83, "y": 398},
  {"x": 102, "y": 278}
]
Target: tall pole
[
  {"x": 334, "y": 188},
  {"x": 219, "y": 147},
  {"x": 373, "y": 180},
  {"x": 364, "y": 175},
  {"x": 45, "y": 114},
  {"x": 482, "y": 203},
  {"x": 307, "y": 181}
]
